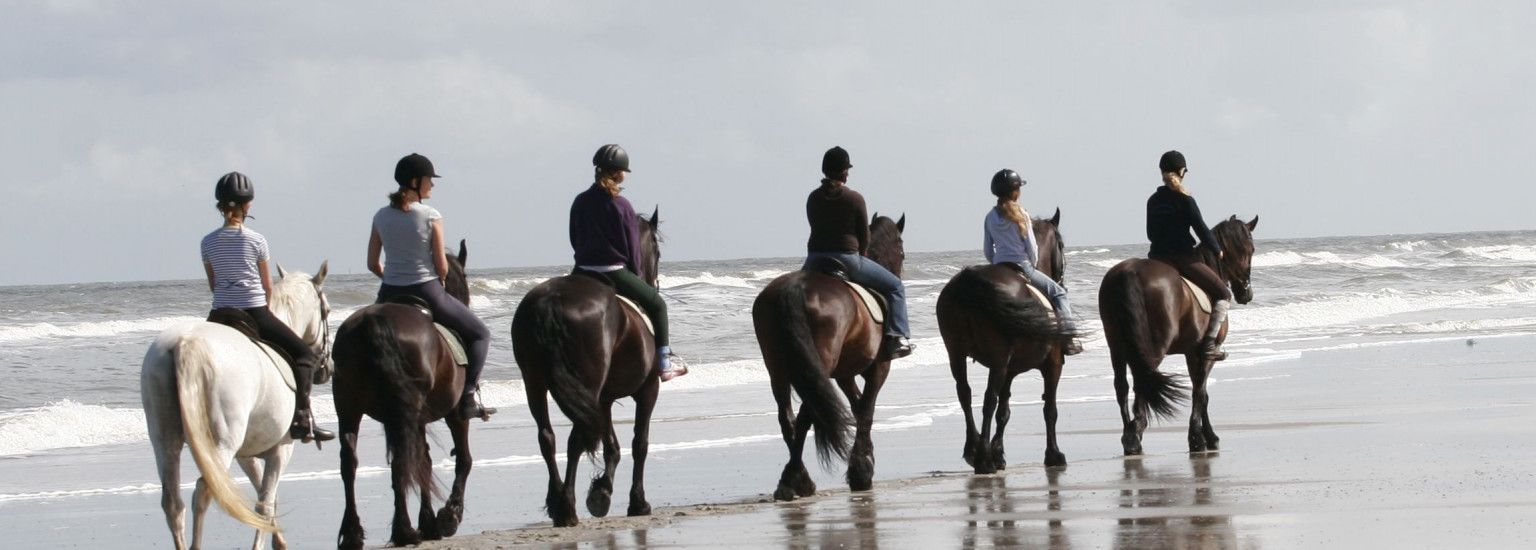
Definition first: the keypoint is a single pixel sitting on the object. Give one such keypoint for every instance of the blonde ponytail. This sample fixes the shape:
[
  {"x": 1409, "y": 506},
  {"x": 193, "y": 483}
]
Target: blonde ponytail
[
  {"x": 1011, "y": 211},
  {"x": 608, "y": 182},
  {"x": 1175, "y": 182}
]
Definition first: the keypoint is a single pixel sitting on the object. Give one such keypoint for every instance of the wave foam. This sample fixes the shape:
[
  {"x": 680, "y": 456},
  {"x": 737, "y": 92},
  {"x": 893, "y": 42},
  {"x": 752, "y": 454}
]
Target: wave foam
[
  {"x": 1286, "y": 257},
  {"x": 1087, "y": 252},
  {"x": 1513, "y": 253},
  {"x": 703, "y": 278},
  {"x": 66, "y": 424},
  {"x": 39, "y": 331}
]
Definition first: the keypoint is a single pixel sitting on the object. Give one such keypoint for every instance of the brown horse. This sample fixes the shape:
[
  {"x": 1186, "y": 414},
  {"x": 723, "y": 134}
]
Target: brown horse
[
  {"x": 394, "y": 366},
  {"x": 1149, "y": 314},
  {"x": 813, "y": 330},
  {"x": 574, "y": 339},
  {"x": 988, "y": 313}
]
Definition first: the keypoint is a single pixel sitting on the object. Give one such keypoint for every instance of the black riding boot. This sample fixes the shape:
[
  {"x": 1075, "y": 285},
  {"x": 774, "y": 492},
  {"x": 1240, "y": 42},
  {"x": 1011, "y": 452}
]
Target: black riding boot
[
  {"x": 1209, "y": 348},
  {"x": 303, "y": 427},
  {"x": 894, "y": 347},
  {"x": 470, "y": 406}
]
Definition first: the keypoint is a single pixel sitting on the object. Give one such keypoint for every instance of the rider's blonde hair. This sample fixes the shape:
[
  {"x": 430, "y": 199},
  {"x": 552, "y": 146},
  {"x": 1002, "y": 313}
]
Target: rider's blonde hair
[
  {"x": 609, "y": 181},
  {"x": 1176, "y": 182},
  {"x": 1011, "y": 211}
]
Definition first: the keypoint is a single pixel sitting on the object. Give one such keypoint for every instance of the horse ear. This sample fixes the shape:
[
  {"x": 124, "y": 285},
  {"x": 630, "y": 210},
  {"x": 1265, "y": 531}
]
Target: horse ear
[
  {"x": 874, "y": 217},
  {"x": 319, "y": 278},
  {"x": 1056, "y": 219},
  {"x": 656, "y": 216},
  {"x": 901, "y": 224},
  {"x": 281, "y": 273},
  {"x": 463, "y": 253},
  {"x": 1253, "y": 224}
]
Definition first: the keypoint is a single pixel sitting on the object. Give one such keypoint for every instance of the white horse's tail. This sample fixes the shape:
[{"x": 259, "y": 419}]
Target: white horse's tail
[{"x": 193, "y": 385}]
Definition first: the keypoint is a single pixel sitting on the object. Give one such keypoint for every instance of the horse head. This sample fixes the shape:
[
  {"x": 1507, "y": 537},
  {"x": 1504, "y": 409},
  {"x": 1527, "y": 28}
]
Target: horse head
[
  {"x": 1236, "y": 264},
  {"x": 299, "y": 300},
  {"x": 885, "y": 245},
  {"x": 1053, "y": 257},
  {"x": 650, "y": 246},
  {"x": 457, "y": 284}
]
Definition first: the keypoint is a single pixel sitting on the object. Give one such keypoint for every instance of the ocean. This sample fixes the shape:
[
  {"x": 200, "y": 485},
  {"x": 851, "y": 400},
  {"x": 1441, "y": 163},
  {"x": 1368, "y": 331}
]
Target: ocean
[{"x": 72, "y": 434}]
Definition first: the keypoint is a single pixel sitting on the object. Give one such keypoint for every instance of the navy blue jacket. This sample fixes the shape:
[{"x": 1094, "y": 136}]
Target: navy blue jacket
[
  {"x": 1170, "y": 216},
  {"x": 605, "y": 230}
]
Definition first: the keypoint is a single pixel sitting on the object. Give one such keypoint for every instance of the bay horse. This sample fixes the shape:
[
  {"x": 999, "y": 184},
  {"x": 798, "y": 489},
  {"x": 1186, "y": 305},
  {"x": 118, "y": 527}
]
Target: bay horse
[
  {"x": 813, "y": 331},
  {"x": 210, "y": 387},
  {"x": 394, "y": 366},
  {"x": 987, "y": 312},
  {"x": 575, "y": 340},
  {"x": 1149, "y": 313}
]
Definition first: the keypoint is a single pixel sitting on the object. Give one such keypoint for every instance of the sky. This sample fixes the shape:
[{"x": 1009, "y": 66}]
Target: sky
[{"x": 1322, "y": 118}]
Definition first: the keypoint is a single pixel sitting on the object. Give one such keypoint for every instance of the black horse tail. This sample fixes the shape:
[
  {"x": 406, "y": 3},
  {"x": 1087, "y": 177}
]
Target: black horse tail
[
  {"x": 402, "y": 406},
  {"x": 822, "y": 400},
  {"x": 1013, "y": 317},
  {"x": 1157, "y": 393},
  {"x": 573, "y": 397}
]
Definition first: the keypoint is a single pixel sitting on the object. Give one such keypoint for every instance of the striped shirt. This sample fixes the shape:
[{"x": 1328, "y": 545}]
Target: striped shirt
[{"x": 234, "y": 252}]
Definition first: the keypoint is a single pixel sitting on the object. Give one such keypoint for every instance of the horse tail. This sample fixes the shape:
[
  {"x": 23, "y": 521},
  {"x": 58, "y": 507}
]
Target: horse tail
[
  {"x": 1014, "y": 318},
  {"x": 1157, "y": 393},
  {"x": 807, "y": 374},
  {"x": 194, "y": 388},
  {"x": 553, "y": 337},
  {"x": 401, "y": 407}
]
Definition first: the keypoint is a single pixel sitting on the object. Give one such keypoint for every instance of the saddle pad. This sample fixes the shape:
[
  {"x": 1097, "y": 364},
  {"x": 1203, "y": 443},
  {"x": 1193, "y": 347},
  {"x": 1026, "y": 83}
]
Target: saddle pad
[
  {"x": 1040, "y": 297},
  {"x": 283, "y": 369},
  {"x": 643, "y": 317},
  {"x": 876, "y": 311},
  {"x": 1200, "y": 295},
  {"x": 455, "y": 346}
]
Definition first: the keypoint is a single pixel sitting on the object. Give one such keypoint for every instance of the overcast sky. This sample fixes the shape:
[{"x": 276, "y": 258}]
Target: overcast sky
[{"x": 1323, "y": 118}]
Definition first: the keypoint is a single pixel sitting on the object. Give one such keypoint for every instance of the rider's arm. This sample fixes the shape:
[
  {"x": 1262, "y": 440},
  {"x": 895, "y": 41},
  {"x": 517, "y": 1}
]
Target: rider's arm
[
  {"x": 986, "y": 241},
  {"x": 439, "y": 258},
  {"x": 1201, "y": 230},
  {"x": 1031, "y": 247},
  {"x": 861, "y": 224},
  {"x": 266, "y": 278},
  {"x": 207, "y": 267},
  {"x": 375, "y": 247}
]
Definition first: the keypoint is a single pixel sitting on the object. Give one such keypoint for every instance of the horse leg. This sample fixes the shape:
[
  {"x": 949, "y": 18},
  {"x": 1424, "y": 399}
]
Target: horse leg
[
  {"x": 1130, "y": 440},
  {"x": 997, "y": 377},
  {"x": 348, "y": 420},
  {"x": 572, "y": 461},
  {"x": 426, "y": 520},
  {"x": 600, "y": 493},
  {"x": 645, "y": 403},
  {"x": 554, "y": 501},
  {"x": 264, "y": 476},
  {"x": 787, "y": 427},
  {"x": 201, "y": 498},
  {"x": 1004, "y": 412},
  {"x": 957, "y": 368},
  {"x": 452, "y": 512},
  {"x": 803, "y": 484},
  {"x": 1051, "y": 376},
  {"x": 400, "y": 531},
  {"x": 861, "y": 459},
  {"x": 167, "y": 441},
  {"x": 1211, "y": 441},
  {"x": 1198, "y": 399}
]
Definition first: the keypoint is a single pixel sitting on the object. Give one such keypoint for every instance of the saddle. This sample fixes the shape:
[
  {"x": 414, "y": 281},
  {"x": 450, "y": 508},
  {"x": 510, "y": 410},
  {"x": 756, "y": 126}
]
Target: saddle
[
  {"x": 1039, "y": 296},
  {"x": 454, "y": 342},
  {"x": 649, "y": 327},
  {"x": 243, "y": 323},
  {"x": 873, "y": 301},
  {"x": 1200, "y": 296}
]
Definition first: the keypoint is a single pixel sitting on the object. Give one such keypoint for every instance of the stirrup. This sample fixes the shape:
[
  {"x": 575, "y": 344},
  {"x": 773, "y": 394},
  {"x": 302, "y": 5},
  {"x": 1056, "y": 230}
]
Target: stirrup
[
  {"x": 894, "y": 347},
  {"x": 1071, "y": 347},
  {"x": 1211, "y": 351},
  {"x": 470, "y": 407},
  {"x": 676, "y": 367},
  {"x": 305, "y": 430}
]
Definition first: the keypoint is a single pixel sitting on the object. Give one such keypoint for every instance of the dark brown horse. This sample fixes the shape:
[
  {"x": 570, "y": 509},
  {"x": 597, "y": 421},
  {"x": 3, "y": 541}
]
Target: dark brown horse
[
  {"x": 813, "y": 330},
  {"x": 1149, "y": 314},
  {"x": 394, "y": 366},
  {"x": 987, "y": 312},
  {"x": 575, "y": 340}
]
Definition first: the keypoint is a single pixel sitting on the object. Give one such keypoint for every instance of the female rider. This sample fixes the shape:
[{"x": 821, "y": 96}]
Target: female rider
[
  {"x": 1171, "y": 214},
  {"x": 1009, "y": 239}
]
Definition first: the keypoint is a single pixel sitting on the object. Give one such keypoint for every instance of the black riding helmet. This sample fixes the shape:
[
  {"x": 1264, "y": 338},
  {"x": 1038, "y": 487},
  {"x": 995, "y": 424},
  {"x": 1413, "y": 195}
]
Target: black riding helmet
[
  {"x": 1172, "y": 161},
  {"x": 234, "y": 189},
  {"x": 1005, "y": 181},
  {"x": 834, "y": 161},
  {"x": 611, "y": 157},
  {"x": 413, "y": 166}
]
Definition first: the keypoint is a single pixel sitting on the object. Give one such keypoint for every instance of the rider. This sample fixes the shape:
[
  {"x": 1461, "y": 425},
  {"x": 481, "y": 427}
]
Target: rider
[
  {"x": 410, "y": 235},
  {"x": 1009, "y": 239},
  {"x": 840, "y": 230},
  {"x": 235, "y": 259},
  {"x": 1171, "y": 213},
  {"x": 605, "y": 235}
]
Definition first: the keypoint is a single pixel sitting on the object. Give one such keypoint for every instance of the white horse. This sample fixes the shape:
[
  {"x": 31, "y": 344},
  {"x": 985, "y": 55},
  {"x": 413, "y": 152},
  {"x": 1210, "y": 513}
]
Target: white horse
[{"x": 208, "y": 386}]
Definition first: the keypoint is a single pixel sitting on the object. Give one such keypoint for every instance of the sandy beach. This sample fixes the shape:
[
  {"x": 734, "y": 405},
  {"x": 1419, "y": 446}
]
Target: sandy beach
[{"x": 1430, "y": 445}]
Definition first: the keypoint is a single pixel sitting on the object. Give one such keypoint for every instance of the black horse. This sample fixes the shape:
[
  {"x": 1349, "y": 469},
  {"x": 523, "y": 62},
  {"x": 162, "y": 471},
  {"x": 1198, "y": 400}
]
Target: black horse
[{"x": 574, "y": 339}]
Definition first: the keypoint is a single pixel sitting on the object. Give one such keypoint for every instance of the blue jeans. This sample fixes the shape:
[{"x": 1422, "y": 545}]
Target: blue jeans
[
  {"x": 868, "y": 273},
  {"x": 455, "y": 315},
  {"x": 1052, "y": 291}
]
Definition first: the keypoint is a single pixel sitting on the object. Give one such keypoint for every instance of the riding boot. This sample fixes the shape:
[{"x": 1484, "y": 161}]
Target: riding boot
[
  {"x": 1209, "y": 347},
  {"x": 471, "y": 407},
  {"x": 670, "y": 365},
  {"x": 893, "y": 347},
  {"x": 303, "y": 427},
  {"x": 1069, "y": 344}
]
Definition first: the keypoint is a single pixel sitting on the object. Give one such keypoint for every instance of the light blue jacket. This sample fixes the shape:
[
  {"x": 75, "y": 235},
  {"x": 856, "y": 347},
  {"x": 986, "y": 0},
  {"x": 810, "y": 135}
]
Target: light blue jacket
[{"x": 1002, "y": 242}]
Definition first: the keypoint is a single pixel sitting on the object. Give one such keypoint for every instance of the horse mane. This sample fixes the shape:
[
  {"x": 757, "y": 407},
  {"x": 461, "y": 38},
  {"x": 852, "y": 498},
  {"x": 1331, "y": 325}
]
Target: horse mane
[
  {"x": 288, "y": 291},
  {"x": 1233, "y": 235},
  {"x": 885, "y": 243},
  {"x": 1059, "y": 259}
]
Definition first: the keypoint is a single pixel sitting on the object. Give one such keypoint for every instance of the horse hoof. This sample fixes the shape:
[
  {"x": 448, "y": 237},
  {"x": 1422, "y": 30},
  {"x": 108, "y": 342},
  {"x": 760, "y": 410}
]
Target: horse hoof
[
  {"x": 805, "y": 487},
  {"x": 1211, "y": 443},
  {"x": 598, "y": 503},
  {"x": 409, "y": 537},
  {"x": 1133, "y": 451},
  {"x": 1055, "y": 459},
  {"x": 448, "y": 520},
  {"x": 784, "y": 494},
  {"x": 566, "y": 522},
  {"x": 639, "y": 509}
]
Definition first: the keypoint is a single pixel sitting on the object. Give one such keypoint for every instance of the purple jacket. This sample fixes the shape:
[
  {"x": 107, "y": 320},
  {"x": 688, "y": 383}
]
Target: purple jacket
[{"x": 605, "y": 230}]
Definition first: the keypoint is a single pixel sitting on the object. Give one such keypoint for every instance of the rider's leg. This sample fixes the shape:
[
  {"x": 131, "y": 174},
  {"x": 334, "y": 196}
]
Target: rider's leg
[
  {"x": 868, "y": 273},
  {"x": 477, "y": 342},
  {"x": 304, "y": 362},
  {"x": 1221, "y": 301},
  {"x": 631, "y": 286},
  {"x": 1058, "y": 296}
]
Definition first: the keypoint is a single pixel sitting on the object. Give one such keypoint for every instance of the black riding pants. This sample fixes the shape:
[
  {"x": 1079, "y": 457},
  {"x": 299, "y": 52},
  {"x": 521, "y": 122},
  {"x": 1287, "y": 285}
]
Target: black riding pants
[
  {"x": 452, "y": 314},
  {"x": 1191, "y": 267},
  {"x": 273, "y": 330}
]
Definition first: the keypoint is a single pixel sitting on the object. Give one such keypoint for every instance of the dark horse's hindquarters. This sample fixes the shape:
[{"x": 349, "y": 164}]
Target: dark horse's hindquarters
[
  {"x": 392, "y": 365},
  {"x": 1148, "y": 314},
  {"x": 575, "y": 340}
]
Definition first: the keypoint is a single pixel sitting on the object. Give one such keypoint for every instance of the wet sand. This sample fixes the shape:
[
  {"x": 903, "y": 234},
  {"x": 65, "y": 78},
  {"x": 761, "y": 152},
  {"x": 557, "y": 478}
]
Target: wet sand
[{"x": 1429, "y": 445}]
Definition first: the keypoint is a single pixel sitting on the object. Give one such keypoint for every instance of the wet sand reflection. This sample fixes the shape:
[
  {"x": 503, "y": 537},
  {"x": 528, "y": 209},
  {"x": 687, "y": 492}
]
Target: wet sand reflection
[
  {"x": 808, "y": 529},
  {"x": 1164, "y": 508},
  {"x": 1007, "y": 518}
]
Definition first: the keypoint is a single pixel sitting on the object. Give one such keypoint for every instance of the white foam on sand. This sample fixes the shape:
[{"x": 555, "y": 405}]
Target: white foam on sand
[
  {"x": 65, "y": 424},
  {"x": 96, "y": 329},
  {"x": 1287, "y": 257}
]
